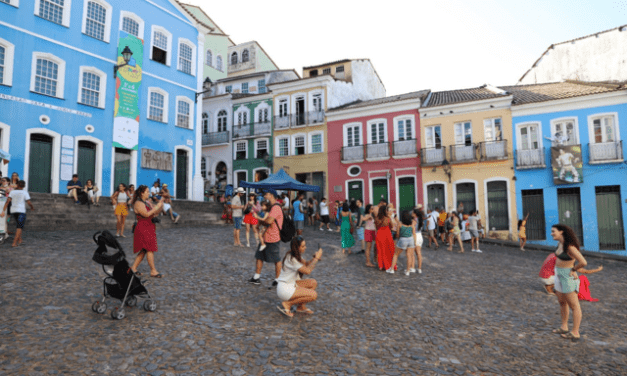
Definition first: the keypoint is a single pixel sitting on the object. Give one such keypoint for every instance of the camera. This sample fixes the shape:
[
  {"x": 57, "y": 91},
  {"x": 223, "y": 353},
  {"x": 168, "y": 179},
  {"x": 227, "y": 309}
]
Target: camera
[{"x": 156, "y": 220}]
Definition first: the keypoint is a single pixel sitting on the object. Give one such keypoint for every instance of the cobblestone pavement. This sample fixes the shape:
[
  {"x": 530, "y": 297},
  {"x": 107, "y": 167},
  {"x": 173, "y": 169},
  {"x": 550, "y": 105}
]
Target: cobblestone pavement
[{"x": 467, "y": 314}]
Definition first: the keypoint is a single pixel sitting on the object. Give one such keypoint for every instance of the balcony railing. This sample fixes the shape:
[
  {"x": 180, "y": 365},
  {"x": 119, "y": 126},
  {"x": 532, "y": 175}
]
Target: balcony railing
[
  {"x": 315, "y": 117},
  {"x": 493, "y": 150},
  {"x": 463, "y": 153},
  {"x": 215, "y": 138},
  {"x": 606, "y": 152},
  {"x": 432, "y": 156},
  {"x": 353, "y": 153},
  {"x": 533, "y": 158},
  {"x": 299, "y": 119},
  {"x": 240, "y": 131},
  {"x": 282, "y": 122},
  {"x": 381, "y": 150},
  {"x": 262, "y": 129},
  {"x": 405, "y": 147}
]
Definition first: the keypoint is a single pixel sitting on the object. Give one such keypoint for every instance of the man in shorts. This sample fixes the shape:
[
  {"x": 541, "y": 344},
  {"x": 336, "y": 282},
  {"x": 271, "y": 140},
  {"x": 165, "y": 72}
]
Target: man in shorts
[
  {"x": 473, "y": 227},
  {"x": 441, "y": 227},
  {"x": 299, "y": 216},
  {"x": 238, "y": 214},
  {"x": 324, "y": 214},
  {"x": 272, "y": 238},
  {"x": 167, "y": 204},
  {"x": 431, "y": 227},
  {"x": 74, "y": 186}
]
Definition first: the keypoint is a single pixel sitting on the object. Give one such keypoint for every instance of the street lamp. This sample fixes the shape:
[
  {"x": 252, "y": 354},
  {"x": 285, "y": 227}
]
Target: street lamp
[
  {"x": 446, "y": 166},
  {"x": 126, "y": 55}
]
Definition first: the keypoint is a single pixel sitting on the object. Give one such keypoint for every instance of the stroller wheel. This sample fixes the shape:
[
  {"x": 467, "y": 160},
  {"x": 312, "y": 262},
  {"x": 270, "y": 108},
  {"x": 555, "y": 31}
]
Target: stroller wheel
[
  {"x": 131, "y": 301},
  {"x": 117, "y": 313},
  {"x": 150, "y": 305},
  {"x": 99, "y": 307}
]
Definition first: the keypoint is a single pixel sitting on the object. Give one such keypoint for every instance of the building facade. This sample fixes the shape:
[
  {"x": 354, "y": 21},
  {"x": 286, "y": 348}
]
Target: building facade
[
  {"x": 62, "y": 106},
  {"x": 373, "y": 151},
  {"x": 570, "y": 161},
  {"x": 466, "y": 155}
]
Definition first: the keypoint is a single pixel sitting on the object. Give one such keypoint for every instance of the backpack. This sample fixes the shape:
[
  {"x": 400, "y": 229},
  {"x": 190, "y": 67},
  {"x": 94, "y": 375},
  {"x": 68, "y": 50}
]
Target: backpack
[
  {"x": 288, "y": 230},
  {"x": 83, "y": 198}
]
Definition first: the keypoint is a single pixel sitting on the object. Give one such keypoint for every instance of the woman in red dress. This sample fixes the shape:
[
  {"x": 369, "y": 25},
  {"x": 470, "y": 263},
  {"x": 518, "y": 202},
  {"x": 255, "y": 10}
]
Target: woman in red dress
[
  {"x": 253, "y": 207},
  {"x": 384, "y": 241},
  {"x": 145, "y": 235}
]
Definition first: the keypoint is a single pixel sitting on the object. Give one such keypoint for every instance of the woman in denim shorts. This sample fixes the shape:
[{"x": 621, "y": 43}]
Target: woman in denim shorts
[{"x": 406, "y": 242}]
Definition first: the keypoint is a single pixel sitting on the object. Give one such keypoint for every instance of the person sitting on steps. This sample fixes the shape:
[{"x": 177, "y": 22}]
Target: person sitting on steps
[
  {"x": 167, "y": 204},
  {"x": 74, "y": 186}
]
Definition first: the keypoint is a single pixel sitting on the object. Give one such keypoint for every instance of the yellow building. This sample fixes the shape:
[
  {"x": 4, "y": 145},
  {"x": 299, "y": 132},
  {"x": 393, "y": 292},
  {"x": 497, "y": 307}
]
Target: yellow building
[{"x": 467, "y": 156}]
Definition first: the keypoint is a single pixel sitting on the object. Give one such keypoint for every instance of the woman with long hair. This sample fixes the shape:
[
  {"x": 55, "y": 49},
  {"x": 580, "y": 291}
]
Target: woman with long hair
[
  {"x": 92, "y": 191},
  {"x": 370, "y": 232},
  {"x": 120, "y": 205},
  {"x": 252, "y": 206},
  {"x": 15, "y": 178},
  {"x": 384, "y": 240},
  {"x": 292, "y": 290},
  {"x": 406, "y": 242},
  {"x": 455, "y": 233},
  {"x": 419, "y": 220},
  {"x": 566, "y": 279},
  {"x": 145, "y": 235},
  {"x": 347, "y": 222}
]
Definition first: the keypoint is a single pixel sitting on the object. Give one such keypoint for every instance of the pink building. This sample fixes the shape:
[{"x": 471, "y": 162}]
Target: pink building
[{"x": 373, "y": 150}]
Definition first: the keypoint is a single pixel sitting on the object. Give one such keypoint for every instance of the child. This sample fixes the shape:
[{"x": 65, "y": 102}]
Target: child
[
  {"x": 522, "y": 232},
  {"x": 261, "y": 217},
  {"x": 18, "y": 197}
]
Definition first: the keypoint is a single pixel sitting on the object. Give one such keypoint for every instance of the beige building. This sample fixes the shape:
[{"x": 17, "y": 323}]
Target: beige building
[{"x": 466, "y": 155}]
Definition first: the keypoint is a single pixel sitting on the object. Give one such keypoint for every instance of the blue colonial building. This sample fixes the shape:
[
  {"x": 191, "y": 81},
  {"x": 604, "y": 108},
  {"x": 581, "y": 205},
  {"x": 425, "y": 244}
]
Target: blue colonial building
[
  {"x": 570, "y": 162},
  {"x": 64, "y": 109}
]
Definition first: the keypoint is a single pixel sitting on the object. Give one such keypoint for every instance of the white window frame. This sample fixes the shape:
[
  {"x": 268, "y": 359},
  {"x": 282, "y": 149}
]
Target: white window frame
[
  {"x": 310, "y": 141},
  {"x": 263, "y": 106},
  {"x": 165, "y": 31},
  {"x": 243, "y": 109},
  {"x": 593, "y": 117},
  {"x": 235, "y": 181},
  {"x": 103, "y": 85},
  {"x": 245, "y": 142},
  {"x": 178, "y": 60},
  {"x": 277, "y": 149},
  {"x": 462, "y": 125},
  {"x": 191, "y": 111},
  {"x": 60, "y": 74},
  {"x": 430, "y": 144},
  {"x": 219, "y": 67},
  {"x": 493, "y": 126},
  {"x": 527, "y": 124},
  {"x": 293, "y": 143},
  {"x": 280, "y": 100},
  {"x": 206, "y": 118},
  {"x": 165, "y": 104},
  {"x": 203, "y": 162},
  {"x": 136, "y": 18},
  {"x": 67, "y": 7},
  {"x": 267, "y": 140},
  {"x": 241, "y": 86},
  {"x": 404, "y": 118},
  {"x": 15, "y": 3},
  {"x": 9, "y": 56},
  {"x": 218, "y": 119},
  {"x": 296, "y": 96},
  {"x": 385, "y": 129},
  {"x": 107, "y": 28},
  {"x": 345, "y": 133},
  {"x": 230, "y": 57},
  {"x": 575, "y": 121},
  {"x": 242, "y": 56},
  {"x": 312, "y": 95}
]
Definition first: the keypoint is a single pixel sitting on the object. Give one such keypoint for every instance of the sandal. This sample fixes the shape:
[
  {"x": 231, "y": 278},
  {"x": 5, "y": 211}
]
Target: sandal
[
  {"x": 139, "y": 274},
  {"x": 157, "y": 276},
  {"x": 560, "y": 331},
  {"x": 285, "y": 311},
  {"x": 571, "y": 337},
  {"x": 306, "y": 310}
]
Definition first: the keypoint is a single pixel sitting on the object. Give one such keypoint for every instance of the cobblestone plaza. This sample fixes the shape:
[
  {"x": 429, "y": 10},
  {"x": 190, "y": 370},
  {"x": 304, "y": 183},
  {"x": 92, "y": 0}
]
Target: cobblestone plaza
[{"x": 467, "y": 314}]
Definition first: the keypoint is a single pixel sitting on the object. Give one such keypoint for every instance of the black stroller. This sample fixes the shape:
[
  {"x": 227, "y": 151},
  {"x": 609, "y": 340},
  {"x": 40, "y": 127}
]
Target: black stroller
[{"x": 121, "y": 283}]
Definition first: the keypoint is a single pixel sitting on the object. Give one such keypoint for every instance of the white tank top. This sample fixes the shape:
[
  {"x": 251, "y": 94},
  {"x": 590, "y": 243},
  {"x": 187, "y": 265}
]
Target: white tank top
[{"x": 122, "y": 198}]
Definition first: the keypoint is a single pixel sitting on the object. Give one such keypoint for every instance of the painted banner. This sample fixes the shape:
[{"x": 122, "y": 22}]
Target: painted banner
[
  {"x": 127, "y": 89},
  {"x": 567, "y": 164}
]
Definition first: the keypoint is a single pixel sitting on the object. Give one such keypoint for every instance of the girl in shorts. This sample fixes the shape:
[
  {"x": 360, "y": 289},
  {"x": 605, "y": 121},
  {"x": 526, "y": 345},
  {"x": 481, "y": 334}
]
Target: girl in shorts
[
  {"x": 19, "y": 198},
  {"x": 370, "y": 232},
  {"x": 261, "y": 217},
  {"x": 522, "y": 232},
  {"x": 406, "y": 236}
]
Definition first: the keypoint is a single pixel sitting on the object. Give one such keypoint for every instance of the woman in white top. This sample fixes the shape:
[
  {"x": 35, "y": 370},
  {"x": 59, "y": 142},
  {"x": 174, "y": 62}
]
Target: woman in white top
[
  {"x": 120, "y": 205},
  {"x": 293, "y": 290}
]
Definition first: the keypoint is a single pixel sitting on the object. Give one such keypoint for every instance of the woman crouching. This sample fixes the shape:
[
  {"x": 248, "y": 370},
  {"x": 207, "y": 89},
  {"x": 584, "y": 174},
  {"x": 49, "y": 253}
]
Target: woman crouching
[{"x": 293, "y": 290}]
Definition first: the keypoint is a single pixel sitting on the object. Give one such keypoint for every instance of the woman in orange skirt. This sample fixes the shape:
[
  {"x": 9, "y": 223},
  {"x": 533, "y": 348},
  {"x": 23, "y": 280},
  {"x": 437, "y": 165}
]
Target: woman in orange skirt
[
  {"x": 120, "y": 205},
  {"x": 252, "y": 207},
  {"x": 384, "y": 241}
]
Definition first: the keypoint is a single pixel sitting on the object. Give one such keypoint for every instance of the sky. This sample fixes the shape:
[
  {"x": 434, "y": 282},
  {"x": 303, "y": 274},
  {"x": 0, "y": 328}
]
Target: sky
[{"x": 416, "y": 44}]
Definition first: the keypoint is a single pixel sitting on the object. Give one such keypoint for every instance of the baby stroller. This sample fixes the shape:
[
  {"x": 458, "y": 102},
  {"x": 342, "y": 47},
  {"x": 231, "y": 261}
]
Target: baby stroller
[{"x": 121, "y": 283}]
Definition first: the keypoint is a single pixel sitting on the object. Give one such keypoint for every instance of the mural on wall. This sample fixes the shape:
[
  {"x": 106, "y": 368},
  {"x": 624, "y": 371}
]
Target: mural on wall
[
  {"x": 127, "y": 88},
  {"x": 156, "y": 160},
  {"x": 567, "y": 164}
]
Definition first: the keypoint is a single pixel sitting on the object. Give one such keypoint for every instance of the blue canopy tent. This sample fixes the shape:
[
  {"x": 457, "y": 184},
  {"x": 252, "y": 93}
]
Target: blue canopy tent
[{"x": 281, "y": 180}]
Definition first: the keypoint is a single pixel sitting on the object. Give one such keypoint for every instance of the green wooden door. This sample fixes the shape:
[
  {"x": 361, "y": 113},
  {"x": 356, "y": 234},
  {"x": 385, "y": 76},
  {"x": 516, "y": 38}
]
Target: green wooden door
[
  {"x": 40, "y": 163},
  {"x": 466, "y": 196},
  {"x": 355, "y": 190},
  {"x": 122, "y": 168},
  {"x": 610, "y": 218},
  {"x": 569, "y": 207},
  {"x": 407, "y": 194},
  {"x": 379, "y": 190},
  {"x": 435, "y": 197},
  {"x": 533, "y": 204},
  {"x": 181, "y": 174},
  {"x": 498, "y": 213},
  {"x": 86, "y": 161},
  {"x": 317, "y": 179}
]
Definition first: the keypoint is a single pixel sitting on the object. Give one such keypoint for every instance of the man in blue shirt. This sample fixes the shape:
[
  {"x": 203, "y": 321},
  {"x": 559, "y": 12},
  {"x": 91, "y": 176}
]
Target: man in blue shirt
[
  {"x": 299, "y": 216},
  {"x": 73, "y": 187}
]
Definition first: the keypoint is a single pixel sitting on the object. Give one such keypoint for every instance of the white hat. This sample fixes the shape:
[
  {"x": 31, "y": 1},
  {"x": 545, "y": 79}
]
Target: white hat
[{"x": 240, "y": 190}]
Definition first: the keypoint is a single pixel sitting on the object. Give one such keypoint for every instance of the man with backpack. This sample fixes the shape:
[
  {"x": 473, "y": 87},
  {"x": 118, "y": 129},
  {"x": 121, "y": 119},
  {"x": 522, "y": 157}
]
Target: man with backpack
[{"x": 272, "y": 239}]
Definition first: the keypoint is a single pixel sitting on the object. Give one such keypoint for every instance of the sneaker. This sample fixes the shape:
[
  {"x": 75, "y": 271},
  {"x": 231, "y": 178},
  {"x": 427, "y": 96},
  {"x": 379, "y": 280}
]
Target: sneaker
[
  {"x": 254, "y": 281},
  {"x": 275, "y": 283},
  {"x": 77, "y": 202},
  {"x": 262, "y": 247},
  {"x": 412, "y": 270},
  {"x": 248, "y": 245},
  {"x": 177, "y": 218},
  {"x": 419, "y": 271},
  {"x": 407, "y": 273},
  {"x": 478, "y": 251},
  {"x": 390, "y": 270},
  {"x": 321, "y": 229},
  {"x": 329, "y": 229}
]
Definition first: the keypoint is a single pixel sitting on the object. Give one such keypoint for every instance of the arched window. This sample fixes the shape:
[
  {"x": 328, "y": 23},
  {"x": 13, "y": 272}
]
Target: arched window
[
  {"x": 209, "y": 58},
  {"x": 203, "y": 167},
  {"x": 130, "y": 26},
  {"x": 219, "y": 63},
  {"x": 234, "y": 58},
  {"x": 222, "y": 121},
  {"x": 245, "y": 56},
  {"x": 205, "y": 123}
]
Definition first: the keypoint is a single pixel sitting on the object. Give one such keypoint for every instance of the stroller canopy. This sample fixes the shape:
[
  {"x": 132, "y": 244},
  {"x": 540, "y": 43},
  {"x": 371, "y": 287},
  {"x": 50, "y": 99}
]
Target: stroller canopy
[{"x": 280, "y": 180}]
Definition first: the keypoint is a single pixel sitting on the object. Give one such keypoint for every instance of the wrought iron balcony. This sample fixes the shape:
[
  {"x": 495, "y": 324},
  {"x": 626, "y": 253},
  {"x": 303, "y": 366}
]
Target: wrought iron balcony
[
  {"x": 315, "y": 117},
  {"x": 606, "y": 152},
  {"x": 262, "y": 128},
  {"x": 240, "y": 131},
  {"x": 463, "y": 153},
  {"x": 381, "y": 150},
  {"x": 491, "y": 150},
  {"x": 215, "y": 138},
  {"x": 432, "y": 156},
  {"x": 282, "y": 122},
  {"x": 298, "y": 120},
  {"x": 353, "y": 153},
  {"x": 404, "y": 147},
  {"x": 532, "y": 158}
]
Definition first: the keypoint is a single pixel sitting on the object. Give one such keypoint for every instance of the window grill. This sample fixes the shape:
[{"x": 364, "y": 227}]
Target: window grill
[
  {"x": 52, "y": 10},
  {"x": 90, "y": 92},
  {"x": 46, "y": 77},
  {"x": 156, "y": 107},
  {"x": 96, "y": 20},
  {"x": 185, "y": 58},
  {"x": 130, "y": 26}
]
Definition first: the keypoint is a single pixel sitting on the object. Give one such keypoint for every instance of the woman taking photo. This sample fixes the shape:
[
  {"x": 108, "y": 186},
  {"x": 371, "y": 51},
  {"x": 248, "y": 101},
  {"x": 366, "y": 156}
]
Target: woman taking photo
[
  {"x": 384, "y": 241},
  {"x": 120, "y": 204},
  {"x": 251, "y": 207},
  {"x": 292, "y": 290},
  {"x": 347, "y": 223},
  {"x": 370, "y": 232},
  {"x": 91, "y": 189},
  {"x": 145, "y": 235},
  {"x": 566, "y": 280}
]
